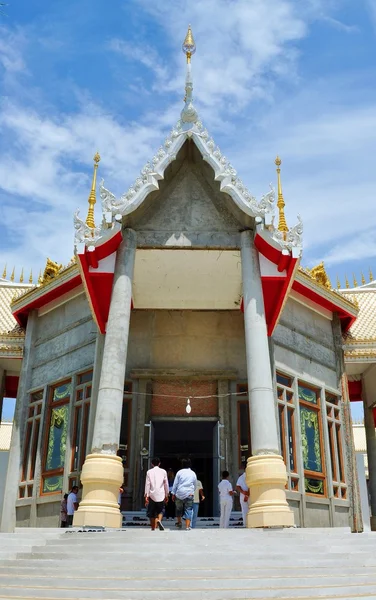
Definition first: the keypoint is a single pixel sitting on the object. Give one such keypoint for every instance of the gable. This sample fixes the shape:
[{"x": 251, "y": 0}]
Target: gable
[{"x": 188, "y": 210}]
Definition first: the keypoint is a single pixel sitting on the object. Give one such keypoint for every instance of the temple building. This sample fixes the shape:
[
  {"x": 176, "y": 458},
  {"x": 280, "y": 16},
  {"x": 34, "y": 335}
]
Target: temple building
[{"x": 185, "y": 326}]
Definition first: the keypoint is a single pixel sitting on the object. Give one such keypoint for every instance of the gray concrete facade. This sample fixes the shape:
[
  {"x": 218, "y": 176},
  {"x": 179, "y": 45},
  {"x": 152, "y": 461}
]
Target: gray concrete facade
[{"x": 190, "y": 345}]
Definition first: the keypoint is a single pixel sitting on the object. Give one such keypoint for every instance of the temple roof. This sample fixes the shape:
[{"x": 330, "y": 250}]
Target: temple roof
[{"x": 8, "y": 290}]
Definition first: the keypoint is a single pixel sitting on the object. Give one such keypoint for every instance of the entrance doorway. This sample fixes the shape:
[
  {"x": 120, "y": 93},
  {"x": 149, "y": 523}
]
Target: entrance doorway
[{"x": 197, "y": 440}]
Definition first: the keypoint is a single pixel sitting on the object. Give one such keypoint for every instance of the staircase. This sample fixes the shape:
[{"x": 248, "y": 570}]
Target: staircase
[
  {"x": 203, "y": 564},
  {"x": 139, "y": 519}
]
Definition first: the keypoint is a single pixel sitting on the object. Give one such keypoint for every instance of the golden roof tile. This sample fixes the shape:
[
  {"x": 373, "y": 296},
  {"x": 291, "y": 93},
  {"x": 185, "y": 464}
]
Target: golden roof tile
[
  {"x": 364, "y": 328},
  {"x": 7, "y": 292}
]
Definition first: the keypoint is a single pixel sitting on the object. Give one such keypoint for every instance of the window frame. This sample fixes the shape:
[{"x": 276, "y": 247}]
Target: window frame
[
  {"x": 46, "y": 431},
  {"x": 82, "y": 408},
  {"x": 33, "y": 431},
  {"x": 285, "y": 406}
]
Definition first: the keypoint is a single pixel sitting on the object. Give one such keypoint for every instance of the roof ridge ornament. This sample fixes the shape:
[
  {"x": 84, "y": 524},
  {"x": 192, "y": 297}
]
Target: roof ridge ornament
[
  {"x": 92, "y": 196},
  {"x": 282, "y": 225},
  {"x": 189, "y": 113}
]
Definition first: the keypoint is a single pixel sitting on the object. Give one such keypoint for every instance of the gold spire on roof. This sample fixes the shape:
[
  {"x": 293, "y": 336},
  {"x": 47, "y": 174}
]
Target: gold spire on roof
[
  {"x": 92, "y": 196},
  {"x": 5, "y": 272},
  {"x": 189, "y": 46},
  {"x": 355, "y": 281},
  {"x": 12, "y": 276},
  {"x": 40, "y": 278},
  {"x": 22, "y": 276},
  {"x": 338, "y": 283},
  {"x": 282, "y": 225},
  {"x": 370, "y": 274},
  {"x": 363, "y": 279},
  {"x": 31, "y": 276},
  {"x": 347, "y": 282}
]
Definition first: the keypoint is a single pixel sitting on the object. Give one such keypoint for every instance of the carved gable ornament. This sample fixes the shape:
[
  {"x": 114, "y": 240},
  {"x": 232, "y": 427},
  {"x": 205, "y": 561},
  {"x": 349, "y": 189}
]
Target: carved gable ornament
[{"x": 319, "y": 274}]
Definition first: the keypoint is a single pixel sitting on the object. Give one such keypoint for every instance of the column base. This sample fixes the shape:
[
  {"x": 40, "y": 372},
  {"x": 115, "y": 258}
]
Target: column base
[
  {"x": 373, "y": 523},
  {"x": 102, "y": 475},
  {"x": 266, "y": 478}
]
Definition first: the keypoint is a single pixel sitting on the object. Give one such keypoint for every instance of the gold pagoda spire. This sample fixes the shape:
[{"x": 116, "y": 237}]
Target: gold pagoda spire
[
  {"x": 370, "y": 274},
  {"x": 347, "y": 282},
  {"x": 40, "y": 278},
  {"x": 338, "y": 283},
  {"x": 22, "y": 275},
  {"x": 282, "y": 225},
  {"x": 189, "y": 46},
  {"x": 92, "y": 196},
  {"x": 12, "y": 276},
  {"x": 31, "y": 276},
  {"x": 5, "y": 272},
  {"x": 363, "y": 279},
  {"x": 355, "y": 281}
]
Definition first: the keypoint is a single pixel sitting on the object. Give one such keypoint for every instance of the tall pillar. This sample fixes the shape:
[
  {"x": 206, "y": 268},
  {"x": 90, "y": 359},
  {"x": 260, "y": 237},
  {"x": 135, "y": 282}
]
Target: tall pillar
[
  {"x": 369, "y": 425},
  {"x": 266, "y": 472},
  {"x": 102, "y": 472}
]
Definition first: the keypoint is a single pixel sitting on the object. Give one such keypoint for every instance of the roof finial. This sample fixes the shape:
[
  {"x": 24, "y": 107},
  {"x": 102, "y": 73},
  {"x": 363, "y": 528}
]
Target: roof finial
[
  {"x": 189, "y": 113},
  {"x": 370, "y": 274},
  {"x": 12, "y": 276},
  {"x": 40, "y": 278},
  {"x": 355, "y": 281},
  {"x": 363, "y": 279},
  {"x": 31, "y": 276},
  {"x": 5, "y": 271},
  {"x": 92, "y": 196},
  {"x": 282, "y": 225},
  {"x": 21, "y": 276},
  {"x": 189, "y": 46},
  {"x": 347, "y": 282},
  {"x": 338, "y": 283}
]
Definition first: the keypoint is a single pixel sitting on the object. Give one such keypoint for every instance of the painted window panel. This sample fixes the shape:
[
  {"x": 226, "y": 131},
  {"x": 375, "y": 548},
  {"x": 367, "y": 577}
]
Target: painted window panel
[
  {"x": 314, "y": 486},
  {"x": 307, "y": 394},
  {"x": 311, "y": 446},
  {"x": 52, "y": 484},
  {"x": 61, "y": 392},
  {"x": 57, "y": 438}
]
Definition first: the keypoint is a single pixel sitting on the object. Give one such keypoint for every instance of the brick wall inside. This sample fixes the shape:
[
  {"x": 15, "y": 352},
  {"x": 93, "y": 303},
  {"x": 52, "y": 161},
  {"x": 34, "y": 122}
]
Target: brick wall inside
[{"x": 178, "y": 392}]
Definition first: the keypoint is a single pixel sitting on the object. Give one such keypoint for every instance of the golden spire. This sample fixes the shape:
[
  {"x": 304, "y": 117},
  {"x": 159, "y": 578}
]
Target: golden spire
[
  {"x": 5, "y": 272},
  {"x": 355, "y": 281},
  {"x": 40, "y": 278},
  {"x": 363, "y": 279},
  {"x": 92, "y": 197},
  {"x": 370, "y": 274},
  {"x": 21, "y": 276},
  {"x": 282, "y": 225},
  {"x": 338, "y": 283},
  {"x": 347, "y": 282},
  {"x": 12, "y": 276},
  {"x": 31, "y": 276},
  {"x": 189, "y": 46}
]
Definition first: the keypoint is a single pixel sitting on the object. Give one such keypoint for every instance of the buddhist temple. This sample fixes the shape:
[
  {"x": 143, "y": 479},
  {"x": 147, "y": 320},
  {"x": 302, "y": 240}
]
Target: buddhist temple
[{"x": 185, "y": 325}]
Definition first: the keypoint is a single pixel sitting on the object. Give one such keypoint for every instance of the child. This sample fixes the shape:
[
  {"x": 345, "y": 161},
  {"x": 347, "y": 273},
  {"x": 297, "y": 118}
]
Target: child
[{"x": 225, "y": 499}]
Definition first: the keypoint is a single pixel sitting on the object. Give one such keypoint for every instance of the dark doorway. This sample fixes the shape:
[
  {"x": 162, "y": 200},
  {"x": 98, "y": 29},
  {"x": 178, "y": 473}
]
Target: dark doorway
[{"x": 174, "y": 440}]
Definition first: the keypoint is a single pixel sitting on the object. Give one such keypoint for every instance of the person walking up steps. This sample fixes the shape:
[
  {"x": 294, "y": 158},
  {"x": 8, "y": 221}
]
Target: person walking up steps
[
  {"x": 182, "y": 493},
  {"x": 156, "y": 494},
  {"x": 242, "y": 488},
  {"x": 225, "y": 499}
]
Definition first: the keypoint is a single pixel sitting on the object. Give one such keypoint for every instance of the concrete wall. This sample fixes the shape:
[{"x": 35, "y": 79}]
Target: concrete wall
[
  {"x": 303, "y": 342},
  {"x": 64, "y": 342},
  {"x": 201, "y": 340}
]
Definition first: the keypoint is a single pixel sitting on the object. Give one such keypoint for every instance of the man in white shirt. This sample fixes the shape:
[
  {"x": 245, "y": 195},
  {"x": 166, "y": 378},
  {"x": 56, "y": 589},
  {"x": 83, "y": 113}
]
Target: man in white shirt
[
  {"x": 182, "y": 493},
  {"x": 242, "y": 488},
  {"x": 156, "y": 494},
  {"x": 225, "y": 499},
  {"x": 72, "y": 504}
]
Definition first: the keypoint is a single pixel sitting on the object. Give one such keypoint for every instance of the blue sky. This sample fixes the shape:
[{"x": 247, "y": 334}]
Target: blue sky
[{"x": 293, "y": 77}]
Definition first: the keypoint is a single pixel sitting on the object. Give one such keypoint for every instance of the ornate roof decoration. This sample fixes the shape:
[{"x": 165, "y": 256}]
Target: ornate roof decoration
[
  {"x": 92, "y": 196},
  {"x": 320, "y": 275},
  {"x": 282, "y": 225},
  {"x": 331, "y": 293},
  {"x": 51, "y": 270},
  {"x": 188, "y": 127}
]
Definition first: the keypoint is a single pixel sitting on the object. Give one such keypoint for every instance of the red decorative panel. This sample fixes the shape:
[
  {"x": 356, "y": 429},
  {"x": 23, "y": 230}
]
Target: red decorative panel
[
  {"x": 355, "y": 391},
  {"x": 11, "y": 386}
]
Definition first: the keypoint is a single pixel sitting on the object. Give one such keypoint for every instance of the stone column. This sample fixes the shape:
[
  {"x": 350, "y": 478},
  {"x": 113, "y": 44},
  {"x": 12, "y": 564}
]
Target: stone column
[
  {"x": 102, "y": 473},
  {"x": 266, "y": 471},
  {"x": 369, "y": 425}
]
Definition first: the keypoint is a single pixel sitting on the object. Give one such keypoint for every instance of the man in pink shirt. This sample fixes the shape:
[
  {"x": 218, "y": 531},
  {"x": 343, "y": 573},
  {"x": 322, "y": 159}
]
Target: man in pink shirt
[{"x": 156, "y": 494}]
